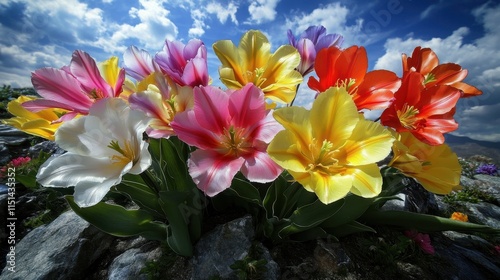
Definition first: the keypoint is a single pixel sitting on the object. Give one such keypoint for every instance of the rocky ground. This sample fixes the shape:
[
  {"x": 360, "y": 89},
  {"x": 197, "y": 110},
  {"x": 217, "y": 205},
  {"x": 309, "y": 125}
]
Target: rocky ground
[{"x": 53, "y": 243}]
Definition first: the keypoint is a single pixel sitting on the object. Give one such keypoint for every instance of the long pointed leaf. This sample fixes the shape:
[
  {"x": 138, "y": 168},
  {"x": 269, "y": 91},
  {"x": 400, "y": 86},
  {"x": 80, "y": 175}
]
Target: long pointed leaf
[
  {"x": 118, "y": 221},
  {"x": 309, "y": 216},
  {"x": 135, "y": 189},
  {"x": 423, "y": 222},
  {"x": 179, "y": 238}
]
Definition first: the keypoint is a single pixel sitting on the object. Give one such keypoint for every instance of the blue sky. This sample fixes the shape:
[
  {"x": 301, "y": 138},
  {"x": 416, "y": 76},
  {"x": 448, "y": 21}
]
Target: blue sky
[{"x": 44, "y": 33}]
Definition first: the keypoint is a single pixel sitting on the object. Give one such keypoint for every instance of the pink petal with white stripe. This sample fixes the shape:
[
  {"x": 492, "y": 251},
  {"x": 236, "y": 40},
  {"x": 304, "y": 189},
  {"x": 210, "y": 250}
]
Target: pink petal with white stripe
[{"x": 212, "y": 174}]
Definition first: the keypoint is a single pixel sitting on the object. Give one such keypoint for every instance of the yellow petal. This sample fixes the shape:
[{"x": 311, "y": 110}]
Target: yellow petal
[
  {"x": 370, "y": 142},
  {"x": 255, "y": 50},
  {"x": 367, "y": 180},
  {"x": 283, "y": 150},
  {"x": 280, "y": 79},
  {"x": 296, "y": 120},
  {"x": 41, "y": 123},
  {"x": 109, "y": 70},
  {"x": 334, "y": 116},
  {"x": 229, "y": 55},
  {"x": 328, "y": 188}
]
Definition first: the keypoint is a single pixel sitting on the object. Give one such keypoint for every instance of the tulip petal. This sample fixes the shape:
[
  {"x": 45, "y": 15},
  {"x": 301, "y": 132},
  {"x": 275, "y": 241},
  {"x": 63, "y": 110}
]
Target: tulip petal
[
  {"x": 187, "y": 128},
  {"x": 367, "y": 180},
  {"x": 91, "y": 177},
  {"x": 85, "y": 69},
  {"x": 212, "y": 174},
  {"x": 260, "y": 168},
  {"x": 342, "y": 116},
  {"x": 283, "y": 150},
  {"x": 54, "y": 84},
  {"x": 329, "y": 188},
  {"x": 296, "y": 120},
  {"x": 370, "y": 142},
  {"x": 138, "y": 63}
]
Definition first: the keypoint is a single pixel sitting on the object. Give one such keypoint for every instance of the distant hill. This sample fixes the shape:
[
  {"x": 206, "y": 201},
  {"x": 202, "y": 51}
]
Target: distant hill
[{"x": 465, "y": 147}]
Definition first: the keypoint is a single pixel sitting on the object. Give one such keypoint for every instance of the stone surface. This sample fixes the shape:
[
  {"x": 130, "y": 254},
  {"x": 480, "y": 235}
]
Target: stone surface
[
  {"x": 396, "y": 204},
  {"x": 460, "y": 258},
  {"x": 483, "y": 213},
  {"x": 49, "y": 147},
  {"x": 70, "y": 248},
  {"x": 216, "y": 251},
  {"x": 129, "y": 265},
  {"x": 63, "y": 249},
  {"x": 5, "y": 156}
]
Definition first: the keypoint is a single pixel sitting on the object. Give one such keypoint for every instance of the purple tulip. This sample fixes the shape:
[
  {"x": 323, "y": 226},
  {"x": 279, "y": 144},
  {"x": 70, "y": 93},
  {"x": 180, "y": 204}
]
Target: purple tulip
[
  {"x": 310, "y": 43},
  {"x": 186, "y": 64}
]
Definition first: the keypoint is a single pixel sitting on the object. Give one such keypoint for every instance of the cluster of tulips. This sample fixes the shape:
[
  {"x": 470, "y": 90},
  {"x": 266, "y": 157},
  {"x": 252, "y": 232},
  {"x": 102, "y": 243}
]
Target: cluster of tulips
[{"x": 157, "y": 132}]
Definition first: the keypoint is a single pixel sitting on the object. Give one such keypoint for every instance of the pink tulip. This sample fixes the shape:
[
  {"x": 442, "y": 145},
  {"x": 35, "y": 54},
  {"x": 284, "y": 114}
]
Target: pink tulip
[
  {"x": 74, "y": 88},
  {"x": 138, "y": 63},
  {"x": 231, "y": 130},
  {"x": 186, "y": 65}
]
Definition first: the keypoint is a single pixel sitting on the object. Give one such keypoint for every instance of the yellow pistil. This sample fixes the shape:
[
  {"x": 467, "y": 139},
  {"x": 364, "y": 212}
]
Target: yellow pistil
[
  {"x": 255, "y": 76},
  {"x": 407, "y": 116},
  {"x": 233, "y": 143},
  {"x": 325, "y": 160},
  {"x": 96, "y": 94},
  {"x": 347, "y": 84},
  {"x": 429, "y": 78},
  {"x": 127, "y": 154}
]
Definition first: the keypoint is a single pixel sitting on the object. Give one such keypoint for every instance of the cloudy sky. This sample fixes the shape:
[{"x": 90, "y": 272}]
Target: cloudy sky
[{"x": 43, "y": 33}]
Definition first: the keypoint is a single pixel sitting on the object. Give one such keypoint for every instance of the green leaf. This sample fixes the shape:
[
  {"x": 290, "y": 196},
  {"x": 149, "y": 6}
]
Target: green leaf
[
  {"x": 393, "y": 181},
  {"x": 118, "y": 221},
  {"x": 244, "y": 190},
  {"x": 179, "y": 237},
  {"x": 29, "y": 181},
  {"x": 423, "y": 222},
  {"x": 349, "y": 228},
  {"x": 310, "y": 234},
  {"x": 354, "y": 206},
  {"x": 271, "y": 199},
  {"x": 309, "y": 216},
  {"x": 135, "y": 189},
  {"x": 169, "y": 163}
]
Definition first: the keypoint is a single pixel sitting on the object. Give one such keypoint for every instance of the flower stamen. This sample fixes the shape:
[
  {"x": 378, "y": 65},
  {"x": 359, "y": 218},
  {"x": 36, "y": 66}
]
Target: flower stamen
[{"x": 407, "y": 116}]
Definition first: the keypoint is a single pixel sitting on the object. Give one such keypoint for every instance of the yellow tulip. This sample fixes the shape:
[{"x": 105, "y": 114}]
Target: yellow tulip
[
  {"x": 435, "y": 167},
  {"x": 42, "y": 123},
  {"x": 331, "y": 150},
  {"x": 253, "y": 62}
]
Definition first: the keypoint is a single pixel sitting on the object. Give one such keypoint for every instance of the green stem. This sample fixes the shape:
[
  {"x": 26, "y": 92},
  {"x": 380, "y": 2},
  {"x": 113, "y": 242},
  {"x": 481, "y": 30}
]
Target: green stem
[{"x": 150, "y": 181}]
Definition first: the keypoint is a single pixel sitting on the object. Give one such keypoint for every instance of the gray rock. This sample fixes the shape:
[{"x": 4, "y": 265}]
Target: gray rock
[
  {"x": 216, "y": 251},
  {"x": 49, "y": 147},
  {"x": 490, "y": 185},
  {"x": 483, "y": 213},
  {"x": 220, "y": 248},
  {"x": 63, "y": 249},
  {"x": 396, "y": 204},
  {"x": 4, "y": 154},
  {"x": 457, "y": 260},
  {"x": 3, "y": 214},
  {"x": 129, "y": 264},
  {"x": 3, "y": 189}
]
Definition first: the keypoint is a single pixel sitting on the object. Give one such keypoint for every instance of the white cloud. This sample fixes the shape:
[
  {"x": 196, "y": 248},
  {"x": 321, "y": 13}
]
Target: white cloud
[
  {"x": 333, "y": 17},
  {"x": 201, "y": 15},
  {"x": 262, "y": 11},
  {"x": 223, "y": 13},
  {"x": 199, "y": 25},
  {"x": 154, "y": 27}
]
